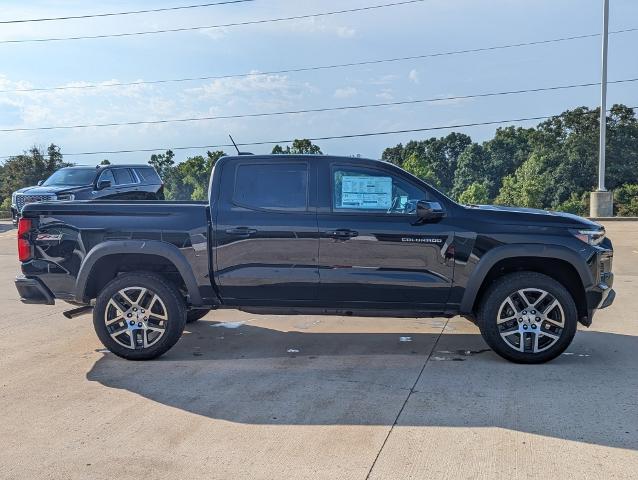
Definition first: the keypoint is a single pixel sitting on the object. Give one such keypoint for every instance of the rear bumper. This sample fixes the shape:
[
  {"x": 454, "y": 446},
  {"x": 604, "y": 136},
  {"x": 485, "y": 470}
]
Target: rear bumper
[{"x": 32, "y": 290}]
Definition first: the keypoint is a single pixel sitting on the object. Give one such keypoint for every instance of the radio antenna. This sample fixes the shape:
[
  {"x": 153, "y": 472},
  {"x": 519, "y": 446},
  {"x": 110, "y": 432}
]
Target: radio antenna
[
  {"x": 236, "y": 148},
  {"x": 231, "y": 139}
]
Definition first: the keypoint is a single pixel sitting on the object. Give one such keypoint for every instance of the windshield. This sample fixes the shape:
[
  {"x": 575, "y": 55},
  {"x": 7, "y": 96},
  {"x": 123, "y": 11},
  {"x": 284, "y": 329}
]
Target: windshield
[{"x": 71, "y": 176}]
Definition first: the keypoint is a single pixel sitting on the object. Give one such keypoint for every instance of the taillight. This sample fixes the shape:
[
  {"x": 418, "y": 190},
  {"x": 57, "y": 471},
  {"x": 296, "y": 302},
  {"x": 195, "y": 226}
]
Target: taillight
[{"x": 24, "y": 246}]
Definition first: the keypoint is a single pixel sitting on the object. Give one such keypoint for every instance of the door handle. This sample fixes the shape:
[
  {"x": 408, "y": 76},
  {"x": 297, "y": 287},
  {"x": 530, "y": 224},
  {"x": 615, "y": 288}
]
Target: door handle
[
  {"x": 343, "y": 234},
  {"x": 241, "y": 231}
]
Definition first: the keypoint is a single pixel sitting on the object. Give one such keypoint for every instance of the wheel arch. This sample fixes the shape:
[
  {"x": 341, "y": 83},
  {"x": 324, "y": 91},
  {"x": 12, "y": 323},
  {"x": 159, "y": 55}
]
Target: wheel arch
[
  {"x": 559, "y": 263},
  {"x": 105, "y": 261}
]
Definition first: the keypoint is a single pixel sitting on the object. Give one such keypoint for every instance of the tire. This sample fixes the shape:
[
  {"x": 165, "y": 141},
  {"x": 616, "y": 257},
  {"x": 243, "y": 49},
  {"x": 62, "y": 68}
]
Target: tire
[
  {"x": 136, "y": 325},
  {"x": 510, "y": 311},
  {"x": 194, "y": 315}
]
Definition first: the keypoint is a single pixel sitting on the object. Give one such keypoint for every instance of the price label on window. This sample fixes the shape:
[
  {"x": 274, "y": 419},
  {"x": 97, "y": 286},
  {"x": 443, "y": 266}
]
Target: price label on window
[{"x": 374, "y": 193}]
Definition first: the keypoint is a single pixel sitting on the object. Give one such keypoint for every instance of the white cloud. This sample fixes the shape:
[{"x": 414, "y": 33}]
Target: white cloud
[
  {"x": 385, "y": 94},
  {"x": 265, "y": 85},
  {"x": 413, "y": 76},
  {"x": 345, "y": 92},
  {"x": 346, "y": 32}
]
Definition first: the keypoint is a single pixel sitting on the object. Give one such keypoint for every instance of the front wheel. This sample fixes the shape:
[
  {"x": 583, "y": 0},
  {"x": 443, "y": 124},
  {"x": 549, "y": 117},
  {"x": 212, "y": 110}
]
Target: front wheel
[
  {"x": 139, "y": 316},
  {"x": 528, "y": 317}
]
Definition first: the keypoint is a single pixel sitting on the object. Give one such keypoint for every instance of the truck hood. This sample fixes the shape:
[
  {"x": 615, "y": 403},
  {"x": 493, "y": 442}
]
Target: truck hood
[{"x": 521, "y": 215}]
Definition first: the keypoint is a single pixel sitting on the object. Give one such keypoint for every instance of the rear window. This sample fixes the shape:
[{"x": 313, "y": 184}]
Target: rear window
[
  {"x": 122, "y": 176},
  {"x": 272, "y": 186},
  {"x": 148, "y": 175}
]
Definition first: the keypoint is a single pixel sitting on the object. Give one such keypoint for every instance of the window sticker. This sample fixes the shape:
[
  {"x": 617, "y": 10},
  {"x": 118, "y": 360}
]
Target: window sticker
[{"x": 373, "y": 193}]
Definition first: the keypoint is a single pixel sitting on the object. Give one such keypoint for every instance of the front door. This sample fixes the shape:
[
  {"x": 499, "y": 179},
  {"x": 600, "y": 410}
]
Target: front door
[
  {"x": 373, "y": 253},
  {"x": 266, "y": 235}
]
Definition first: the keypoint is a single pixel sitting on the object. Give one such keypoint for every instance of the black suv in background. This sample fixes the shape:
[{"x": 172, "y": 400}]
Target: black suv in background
[{"x": 105, "y": 182}]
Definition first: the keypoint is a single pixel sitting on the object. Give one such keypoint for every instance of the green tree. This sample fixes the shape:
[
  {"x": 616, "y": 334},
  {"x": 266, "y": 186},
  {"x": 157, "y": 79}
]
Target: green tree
[
  {"x": 299, "y": 147},
  {"x": 163, "y": 163},
  {"x": 474, "y": 166},
  {"x": 27, "y": 169},
  {"x": 105, "y": 162},
  {"x": 439, "y": 155},
  {"x": 527, "y": 187},
  {"x": 418, "y": 168},
  {"x": 189, "y": 180},
  {"x": 476, "y": 194}
]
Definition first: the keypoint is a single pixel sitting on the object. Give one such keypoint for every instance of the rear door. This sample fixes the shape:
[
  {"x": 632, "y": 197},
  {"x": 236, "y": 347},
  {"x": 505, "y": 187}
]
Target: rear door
[
  {"x": 126, "y": 185},
  {"x": 373, "y": 252},
  {"x": 266, "y": 234}
]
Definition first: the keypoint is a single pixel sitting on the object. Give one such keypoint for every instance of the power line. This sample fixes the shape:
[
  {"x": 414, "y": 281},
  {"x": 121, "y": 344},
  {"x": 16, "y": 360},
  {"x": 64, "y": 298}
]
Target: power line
[
  {"x": 316, "y": 67},
  {"x": 207, "y": 27},
  {"x": 130, "y": 12},
  {"x": 315, "y": 139},
  {"x": 311, "y": 110}
]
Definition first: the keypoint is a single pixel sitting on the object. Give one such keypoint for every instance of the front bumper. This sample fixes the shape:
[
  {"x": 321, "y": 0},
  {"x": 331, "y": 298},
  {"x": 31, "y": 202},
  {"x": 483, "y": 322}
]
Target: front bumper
[
  {"x": 32, "y": 291},
  {"x": 601, "y": 295}
]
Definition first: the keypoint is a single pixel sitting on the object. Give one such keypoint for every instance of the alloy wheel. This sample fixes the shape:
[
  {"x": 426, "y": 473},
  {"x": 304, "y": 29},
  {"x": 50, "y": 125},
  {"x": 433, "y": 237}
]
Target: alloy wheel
[
  {"x": 136, "y": 317},
  {"x": 530, "y": 320}
]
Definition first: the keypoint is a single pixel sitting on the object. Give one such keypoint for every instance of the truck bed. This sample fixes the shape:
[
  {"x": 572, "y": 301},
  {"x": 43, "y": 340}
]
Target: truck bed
[{"x": 68, "y": 233}]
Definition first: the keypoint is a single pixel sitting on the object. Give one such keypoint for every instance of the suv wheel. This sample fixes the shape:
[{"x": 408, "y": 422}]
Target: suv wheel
[
  {"x": 528, "y": 317},
  {"x": 139, "y": 316}
]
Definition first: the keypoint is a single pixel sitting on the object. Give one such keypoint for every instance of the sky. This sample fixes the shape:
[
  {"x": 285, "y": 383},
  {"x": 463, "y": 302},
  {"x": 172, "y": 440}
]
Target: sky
[{"x": 426, "y": 27}]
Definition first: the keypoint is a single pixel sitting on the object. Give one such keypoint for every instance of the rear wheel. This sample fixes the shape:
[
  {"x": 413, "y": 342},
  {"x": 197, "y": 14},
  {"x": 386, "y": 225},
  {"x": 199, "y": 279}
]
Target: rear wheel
[
  {"x": 528, "y": 317},
  {"x": 139, "y": 316}
]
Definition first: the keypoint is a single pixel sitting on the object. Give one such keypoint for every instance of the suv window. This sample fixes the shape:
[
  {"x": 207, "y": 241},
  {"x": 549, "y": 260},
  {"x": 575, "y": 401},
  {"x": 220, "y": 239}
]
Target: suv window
[
  {"x": 148, "y": 175},
  {"x": 280, "y": 186},
  {"x": 370, "y": 190},
  {"x": 123, "y": 176}
]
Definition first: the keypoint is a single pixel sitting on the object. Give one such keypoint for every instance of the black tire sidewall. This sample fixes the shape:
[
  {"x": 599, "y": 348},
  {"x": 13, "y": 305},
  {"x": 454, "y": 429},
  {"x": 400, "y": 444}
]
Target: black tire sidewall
[
  {"x": 174, "y": 306},
  {"x": 507, "y": 285}
]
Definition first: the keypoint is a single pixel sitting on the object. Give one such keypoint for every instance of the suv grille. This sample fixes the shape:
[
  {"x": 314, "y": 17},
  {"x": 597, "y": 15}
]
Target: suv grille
[{"x": 22, "y": 199}]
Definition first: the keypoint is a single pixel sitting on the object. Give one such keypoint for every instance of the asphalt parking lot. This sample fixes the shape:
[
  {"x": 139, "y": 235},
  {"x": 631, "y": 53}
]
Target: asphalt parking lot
[{"x": 312, "y": 397}]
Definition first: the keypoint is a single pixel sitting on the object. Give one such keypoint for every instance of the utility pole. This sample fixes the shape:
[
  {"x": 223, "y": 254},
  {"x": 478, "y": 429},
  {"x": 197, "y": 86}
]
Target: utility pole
[{"x": 602, "y": 201}]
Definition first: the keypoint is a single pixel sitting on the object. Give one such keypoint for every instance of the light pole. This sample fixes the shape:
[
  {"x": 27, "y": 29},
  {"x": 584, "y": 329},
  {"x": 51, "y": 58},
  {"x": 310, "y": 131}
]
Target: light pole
[{"x": 601, "y": 201}]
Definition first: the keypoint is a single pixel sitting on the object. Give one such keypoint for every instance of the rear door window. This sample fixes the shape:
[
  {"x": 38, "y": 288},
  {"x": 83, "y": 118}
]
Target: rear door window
[
  {"x": 278, "y": 186},
  {"x": 123, "y": 176}
]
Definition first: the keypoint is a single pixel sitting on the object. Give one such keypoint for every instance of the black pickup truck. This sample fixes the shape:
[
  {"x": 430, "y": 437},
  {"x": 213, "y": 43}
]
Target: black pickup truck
[{"x": 317, "y": 234}]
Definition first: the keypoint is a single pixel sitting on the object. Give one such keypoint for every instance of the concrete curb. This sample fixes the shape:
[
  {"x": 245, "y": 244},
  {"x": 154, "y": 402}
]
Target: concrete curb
[{"x": 613, "y": 219}]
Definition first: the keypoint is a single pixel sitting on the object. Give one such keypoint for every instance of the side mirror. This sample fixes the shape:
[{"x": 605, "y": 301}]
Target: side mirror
[
  {"x": 104, "y": 184},
  {"x": 428, "y": 211},
  {"x": 40, "y": 182}
]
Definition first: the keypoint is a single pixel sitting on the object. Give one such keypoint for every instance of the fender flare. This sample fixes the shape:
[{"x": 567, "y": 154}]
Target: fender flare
[
  {"x": 503, "y": 252},
  {"x": 142, "y": 247}
]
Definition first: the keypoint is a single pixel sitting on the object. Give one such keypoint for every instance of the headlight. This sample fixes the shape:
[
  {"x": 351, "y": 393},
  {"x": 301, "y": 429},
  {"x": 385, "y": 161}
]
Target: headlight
[
  {"x": 590, "y": 237},
  {"x": 65, "y": 197}
]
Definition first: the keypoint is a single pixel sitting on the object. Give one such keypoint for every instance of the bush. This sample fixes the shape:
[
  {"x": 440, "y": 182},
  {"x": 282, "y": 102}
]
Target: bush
[
  {"x": 626, "y": 200},
  {"x": 578, "y": 205}
]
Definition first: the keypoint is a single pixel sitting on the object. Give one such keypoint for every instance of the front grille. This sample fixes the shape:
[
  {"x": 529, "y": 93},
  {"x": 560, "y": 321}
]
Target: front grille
[{"x": 22, "y": 199}]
